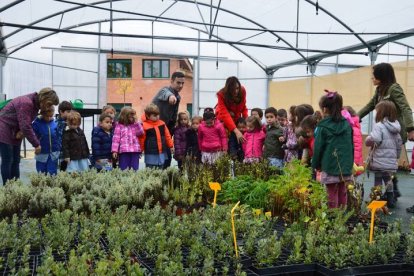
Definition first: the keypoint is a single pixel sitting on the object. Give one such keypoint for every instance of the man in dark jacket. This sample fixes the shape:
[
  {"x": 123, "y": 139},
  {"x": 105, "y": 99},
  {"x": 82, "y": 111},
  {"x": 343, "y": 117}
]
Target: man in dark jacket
[{"x": 168, "y": 100}]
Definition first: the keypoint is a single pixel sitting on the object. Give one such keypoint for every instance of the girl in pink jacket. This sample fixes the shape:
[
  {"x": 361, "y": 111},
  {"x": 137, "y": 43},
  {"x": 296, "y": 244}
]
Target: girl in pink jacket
[
  {"x": 212, "y": 138},
  {"x": 253, "y": 146},
  {"x": 353, "y": 120},
  {"x": 125, "y": 144}
]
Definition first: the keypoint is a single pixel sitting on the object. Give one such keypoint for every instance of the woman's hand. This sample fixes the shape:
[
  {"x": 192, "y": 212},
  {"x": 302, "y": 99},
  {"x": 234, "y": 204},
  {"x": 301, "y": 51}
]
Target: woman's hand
[{"x": 239, "y": 135}]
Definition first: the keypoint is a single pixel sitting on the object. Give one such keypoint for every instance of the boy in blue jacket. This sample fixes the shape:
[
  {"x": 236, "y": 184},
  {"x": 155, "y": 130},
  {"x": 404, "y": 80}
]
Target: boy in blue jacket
[
  {"x": 102, "y": 143},
  {"x": 45, "y": 128}
]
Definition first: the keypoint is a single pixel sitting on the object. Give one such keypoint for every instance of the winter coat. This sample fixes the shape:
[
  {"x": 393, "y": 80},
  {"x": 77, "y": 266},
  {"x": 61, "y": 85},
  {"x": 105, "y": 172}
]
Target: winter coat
[
  {"x": 156, "y": 138},
  {"x": 235, "y": 148},
  {"x": 180, "y": 142},
  {"x": 74, "y": 144},
  {"x": 253, "y": 146},
  {"x": 46, "y": 133},
  {"x": 212, "y": 138},
  {"x": 229, "y": 112},
  {"x": 333, "y": 147},
  {"x": 60, "y": 128},
  {"x": 386, "y": 142},
  {"x": 404, "y": 112},
  {"x": 18, "y": 115},
  {"x": 357, "y": 139},
  {"x": 168, "y": 112},
  {"x": 272, "y": 145},
  {"x": 291, "y": 143},
  {"x": 101, "y": 144},
  {"x": 125, "y": 138},
  {"x": 192, "y": 148}
]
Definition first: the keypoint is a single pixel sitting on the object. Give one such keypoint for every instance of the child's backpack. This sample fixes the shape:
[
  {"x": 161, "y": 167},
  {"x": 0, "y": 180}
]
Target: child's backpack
[{"x": 4, "y": 103}]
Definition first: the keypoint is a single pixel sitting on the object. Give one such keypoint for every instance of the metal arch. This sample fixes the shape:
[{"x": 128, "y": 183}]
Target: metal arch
[
  {"x": 56, "y": 14},
  {"x": 253, "y": 22},
  {"x": 263, "y": 67},
  {"x": 80, "y": 5},
  {"x": 342, "y": 23},
  {"x": 11, "y": 5}
]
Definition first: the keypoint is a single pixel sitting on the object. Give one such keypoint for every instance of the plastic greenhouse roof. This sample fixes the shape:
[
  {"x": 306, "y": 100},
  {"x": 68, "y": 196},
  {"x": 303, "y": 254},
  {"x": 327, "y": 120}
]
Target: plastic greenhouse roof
[{"x": 272, "y": 33}]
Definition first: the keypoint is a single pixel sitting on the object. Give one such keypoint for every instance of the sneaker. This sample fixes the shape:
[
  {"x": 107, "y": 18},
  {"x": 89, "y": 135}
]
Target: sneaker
[{"x": 412, "y": 172}]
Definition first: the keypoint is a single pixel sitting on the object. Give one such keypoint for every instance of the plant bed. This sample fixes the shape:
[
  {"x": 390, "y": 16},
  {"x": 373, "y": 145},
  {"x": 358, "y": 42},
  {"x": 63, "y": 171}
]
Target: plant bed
[
  {"x": 21, "y": 267},
  {"x": 296, "y": 269}
]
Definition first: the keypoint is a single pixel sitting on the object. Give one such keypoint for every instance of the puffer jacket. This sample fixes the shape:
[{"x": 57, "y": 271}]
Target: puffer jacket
[
  {"x": 385, "y": 141},
  {"x": 74, "y": 144},
  {"x": 156, "y": 138},
  {"x": 212, "y": 138},
  {"x": 253, "y": 146},
  {"x": 101, "y": 144},
  {"x": 46, "y": 133},
  {"x": 180, "y": 142},
  {"x": 125, "y": 138},
  {"x": 357, "y": 138}
]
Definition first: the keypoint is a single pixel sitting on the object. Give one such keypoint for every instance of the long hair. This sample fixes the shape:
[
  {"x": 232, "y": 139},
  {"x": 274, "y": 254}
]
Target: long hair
[
  {"x": 301, "y": 111},
  {"x": 230, "y": 86},
  {"x": 333, "y": 103},
  {"x": 384, "y": 73},
  {"x": 181, "y": 114},
  {"x": 386, "y": 109},
  {"x": 126, "y": 111}
]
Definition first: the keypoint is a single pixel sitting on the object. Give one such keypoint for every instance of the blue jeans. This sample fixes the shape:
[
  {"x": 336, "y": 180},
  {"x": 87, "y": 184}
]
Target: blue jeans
[
  {"x": 276, "y": 162},
  {"x": 10, "y": 161}
]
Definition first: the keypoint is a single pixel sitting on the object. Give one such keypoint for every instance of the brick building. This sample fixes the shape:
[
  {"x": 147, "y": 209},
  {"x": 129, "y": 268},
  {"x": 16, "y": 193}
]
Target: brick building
[{"x": 134, "y": 80}]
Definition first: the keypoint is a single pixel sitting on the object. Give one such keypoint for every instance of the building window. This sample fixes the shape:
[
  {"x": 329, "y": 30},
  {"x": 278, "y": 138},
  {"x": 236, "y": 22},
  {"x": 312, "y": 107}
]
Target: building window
[
  {"x": 119, "y": 68},
  {"x": 155, "y": 68}
]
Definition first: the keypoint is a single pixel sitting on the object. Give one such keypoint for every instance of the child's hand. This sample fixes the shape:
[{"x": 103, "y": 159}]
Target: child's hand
[
  {"x": 281, "y": 139},
  {"x": 67, "y": 160},
  {"x": 38, "y": 149},
  {"x": 115, "y": 155},
  {"x": 172, "y": 150}
]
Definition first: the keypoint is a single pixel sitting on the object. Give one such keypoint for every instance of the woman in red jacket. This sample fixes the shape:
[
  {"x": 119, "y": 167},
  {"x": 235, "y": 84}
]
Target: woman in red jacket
[{"x": 231, "y": 105}]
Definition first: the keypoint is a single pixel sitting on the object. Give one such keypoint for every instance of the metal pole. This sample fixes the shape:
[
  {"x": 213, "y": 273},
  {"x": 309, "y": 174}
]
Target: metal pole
[
  {"x": 99, "y": 69},
  {"x": 297, "y": 25},
  {"x": 52, "y": 67},
  {"x": 196, "y": 95}
]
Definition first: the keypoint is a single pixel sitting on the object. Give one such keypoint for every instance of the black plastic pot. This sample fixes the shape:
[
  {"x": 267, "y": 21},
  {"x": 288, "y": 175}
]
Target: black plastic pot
[{"x": 294, "y": 269}]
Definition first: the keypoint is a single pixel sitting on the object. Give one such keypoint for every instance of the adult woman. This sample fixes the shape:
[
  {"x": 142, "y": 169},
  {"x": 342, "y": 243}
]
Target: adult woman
[
  {"x": 383, "y": 77},
  {"x": 15, "y": 123},
  {"x": 231, "y": 105}
]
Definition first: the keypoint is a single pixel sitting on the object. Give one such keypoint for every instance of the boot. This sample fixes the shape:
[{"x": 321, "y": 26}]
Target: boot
[
  {"x": 390, "y": 199},
  {"x": 397, "y": 193}
]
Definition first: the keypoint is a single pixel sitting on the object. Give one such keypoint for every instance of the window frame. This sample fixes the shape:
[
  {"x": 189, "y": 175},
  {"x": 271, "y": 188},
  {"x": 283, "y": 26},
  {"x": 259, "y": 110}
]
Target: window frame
[
  {"x": 124, "y": 71},
  {"x": 152, "y": 67}
]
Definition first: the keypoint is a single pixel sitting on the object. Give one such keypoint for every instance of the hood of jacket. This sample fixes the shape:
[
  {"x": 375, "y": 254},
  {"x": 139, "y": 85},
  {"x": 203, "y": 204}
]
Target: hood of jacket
[
  {"x": 336, "y": 128},
  {"x": 393, "y": 127}
]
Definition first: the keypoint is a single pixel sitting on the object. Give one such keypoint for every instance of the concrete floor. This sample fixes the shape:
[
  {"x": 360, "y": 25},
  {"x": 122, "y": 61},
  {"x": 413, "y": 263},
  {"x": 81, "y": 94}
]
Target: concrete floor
[{"x": 406, "y": 186}]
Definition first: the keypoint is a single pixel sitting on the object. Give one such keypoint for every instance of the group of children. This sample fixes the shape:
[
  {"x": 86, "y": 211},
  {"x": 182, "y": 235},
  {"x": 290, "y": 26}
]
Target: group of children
[{"x": 328, "y": 140}]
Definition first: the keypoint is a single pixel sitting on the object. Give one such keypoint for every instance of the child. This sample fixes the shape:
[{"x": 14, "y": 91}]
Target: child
[
  {"x": 258, "y": 112},
  {"x": 109, "y": 109},
  {"x": 254, "y": 136},
  {"x": 282, "y": 117},
  {"x": 333, "y": 150},
  {"x": 156, "y": 139},
  {"x": 45, "y": 128},
  {"x": 235, "y": 148},
  {"x": 74, "y": 144},
  {"x": 385, "y": 142},
  {"x": 102, "y": 143},
  {"x": 64, "y": 109},
  {"x": 192, "y": 149},
  {"x": 180, "y": 142},
  {"x": 308, "y": 126},
  {"x": 125, "y": 144},
  {"x": 356, "y": 136},
  {"x": 291, "y": 145},
  {"x": 274, "y": 139},
  {"x": 212, "y": 138}
]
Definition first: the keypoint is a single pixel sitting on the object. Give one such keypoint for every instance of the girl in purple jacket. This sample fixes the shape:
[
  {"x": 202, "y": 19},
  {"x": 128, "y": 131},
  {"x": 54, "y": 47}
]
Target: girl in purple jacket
[
  {"x": 180, "y": 141},
  {"x": 212, "y": 138},
  {"x": 125, "y": 144}
]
